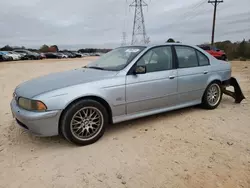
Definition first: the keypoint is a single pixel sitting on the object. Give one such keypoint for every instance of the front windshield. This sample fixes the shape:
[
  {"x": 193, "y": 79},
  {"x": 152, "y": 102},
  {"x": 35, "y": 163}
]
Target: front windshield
[{"x": 116, "y": 59}]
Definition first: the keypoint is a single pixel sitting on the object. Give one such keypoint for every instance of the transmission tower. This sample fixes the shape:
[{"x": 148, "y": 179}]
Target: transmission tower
[
  {"x": 139, "y": 35},
  {"x": 214, "y": 3},
  {"x": 124, "y": 39}
]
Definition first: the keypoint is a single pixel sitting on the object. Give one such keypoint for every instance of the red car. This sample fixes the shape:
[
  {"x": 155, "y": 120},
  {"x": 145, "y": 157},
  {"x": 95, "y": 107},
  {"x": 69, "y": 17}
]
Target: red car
[{"x": 217, "y": 53}]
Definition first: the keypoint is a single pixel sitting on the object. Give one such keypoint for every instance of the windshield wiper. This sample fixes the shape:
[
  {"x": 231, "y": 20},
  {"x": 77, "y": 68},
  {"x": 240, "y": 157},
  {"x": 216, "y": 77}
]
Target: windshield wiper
[{"x": 93, "y": 67}]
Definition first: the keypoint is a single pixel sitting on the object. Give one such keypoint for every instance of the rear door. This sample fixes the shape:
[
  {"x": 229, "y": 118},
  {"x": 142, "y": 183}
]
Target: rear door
[{"x": 193, "y": 71}]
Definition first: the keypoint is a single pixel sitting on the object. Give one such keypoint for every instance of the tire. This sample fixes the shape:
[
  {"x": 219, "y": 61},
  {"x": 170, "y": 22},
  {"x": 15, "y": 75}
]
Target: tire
[
  {"x": 206, "y": 99},
  {"x": 71, "y": 128}
]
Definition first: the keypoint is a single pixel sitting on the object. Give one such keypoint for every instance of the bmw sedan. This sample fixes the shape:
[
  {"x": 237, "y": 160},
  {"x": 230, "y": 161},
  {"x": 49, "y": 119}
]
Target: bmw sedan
[{"x": 126, "y": 83}]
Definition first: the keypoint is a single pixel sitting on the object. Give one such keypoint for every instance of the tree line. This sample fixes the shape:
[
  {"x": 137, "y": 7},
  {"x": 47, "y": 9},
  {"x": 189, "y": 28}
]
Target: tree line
[{"x": 234, "y": 50}]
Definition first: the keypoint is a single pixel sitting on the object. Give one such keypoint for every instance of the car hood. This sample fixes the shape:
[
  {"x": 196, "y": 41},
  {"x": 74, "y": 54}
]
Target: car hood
[{"x": 37, "y": 86}]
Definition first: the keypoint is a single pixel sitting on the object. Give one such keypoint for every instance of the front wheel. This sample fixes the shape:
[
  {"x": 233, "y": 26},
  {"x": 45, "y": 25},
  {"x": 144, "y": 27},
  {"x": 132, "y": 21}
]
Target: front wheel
[
  {"x": 84, "y": 122},
  {"x": 212, "y": 96}
]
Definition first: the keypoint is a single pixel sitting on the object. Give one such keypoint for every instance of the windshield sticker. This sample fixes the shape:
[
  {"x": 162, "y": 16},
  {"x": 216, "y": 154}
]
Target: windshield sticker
[{"x": 132, "y": 50}]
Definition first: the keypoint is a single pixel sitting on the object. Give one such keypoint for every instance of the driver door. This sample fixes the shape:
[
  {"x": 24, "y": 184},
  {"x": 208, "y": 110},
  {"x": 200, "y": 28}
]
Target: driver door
[{"x": 155, "y": 89}]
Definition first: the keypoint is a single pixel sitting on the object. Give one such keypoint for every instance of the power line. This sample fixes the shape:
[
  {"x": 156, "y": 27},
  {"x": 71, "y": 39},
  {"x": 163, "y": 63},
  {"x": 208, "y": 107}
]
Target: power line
[
  {"x": 235, "y": 31},
  {"x": 189, "y": 14},
  {"x": 195, "y": 6},
  {"x": 214, "y": 3}
]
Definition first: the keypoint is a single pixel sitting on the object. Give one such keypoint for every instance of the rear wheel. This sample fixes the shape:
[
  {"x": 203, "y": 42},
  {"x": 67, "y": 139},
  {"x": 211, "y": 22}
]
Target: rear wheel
[
  {"x": 84, "y": 122},
  {"x": 212, "y": 96}
]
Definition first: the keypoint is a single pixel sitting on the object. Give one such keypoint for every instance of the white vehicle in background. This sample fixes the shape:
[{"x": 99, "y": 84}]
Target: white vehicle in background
[
  {"x": 13, "y": 56},
  {"x": 18, "y": 56},
  {"x": 62, "y": 55}
]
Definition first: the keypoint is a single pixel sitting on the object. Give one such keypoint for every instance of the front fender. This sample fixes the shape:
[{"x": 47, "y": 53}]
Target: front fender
[
  {"x": 60, "y": 99},
  {"x": 113, "y": 92}
]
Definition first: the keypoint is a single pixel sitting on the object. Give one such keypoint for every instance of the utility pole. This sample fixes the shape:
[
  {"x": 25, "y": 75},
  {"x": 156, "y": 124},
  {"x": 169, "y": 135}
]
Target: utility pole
[
  {"x": 139, "y": 35},
  {"x": 214, "y": 3}
]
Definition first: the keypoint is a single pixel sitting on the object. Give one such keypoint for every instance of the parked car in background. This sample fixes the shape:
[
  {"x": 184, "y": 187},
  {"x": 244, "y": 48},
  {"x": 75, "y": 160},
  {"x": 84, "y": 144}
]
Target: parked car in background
[
  {"x": 4, "y": 57},
  {"x": 42, "y": 55},
  {"x": 217, "y": 53},
  {"x": 124, "y": 84},
  {"x": 38, "y": 55},
  {"x": 14, "y": 57},
  {"x": 62, "y": 55},
  {"x": 23, "y": 56},
  {"x": 52, "y": 55},
  {"x": 85, "y": 54},
  {"x": 82, "y": 54},
  {"x": 28, "y": 54},
  {"x": 76, "y": 54},
  {"x": 69, "y": 54},
  {"x": 97, "y": 54}
]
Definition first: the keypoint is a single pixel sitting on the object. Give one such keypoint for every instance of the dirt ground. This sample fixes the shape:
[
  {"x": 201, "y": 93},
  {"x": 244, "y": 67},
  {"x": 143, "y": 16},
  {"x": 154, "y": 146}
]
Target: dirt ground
[{"x": 191, "y": 147}]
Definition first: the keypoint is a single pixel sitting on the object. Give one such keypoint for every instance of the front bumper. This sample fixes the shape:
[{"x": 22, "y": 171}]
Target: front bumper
[{"x": 38, "y": 123}]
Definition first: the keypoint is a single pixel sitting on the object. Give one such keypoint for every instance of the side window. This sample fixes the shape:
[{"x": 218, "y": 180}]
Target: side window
[
  {"x": 157, "y": 59},
  {"x": 203, "y": 60},
  {"x": 186, "y": 57}
]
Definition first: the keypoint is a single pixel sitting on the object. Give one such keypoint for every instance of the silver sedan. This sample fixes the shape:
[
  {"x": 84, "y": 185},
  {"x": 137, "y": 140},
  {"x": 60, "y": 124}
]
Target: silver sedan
[{"x": 126, "y": 83}]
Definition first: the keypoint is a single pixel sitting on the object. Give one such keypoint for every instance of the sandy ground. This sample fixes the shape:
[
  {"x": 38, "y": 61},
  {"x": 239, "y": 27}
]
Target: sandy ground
[{"x": 191, "y": 147}]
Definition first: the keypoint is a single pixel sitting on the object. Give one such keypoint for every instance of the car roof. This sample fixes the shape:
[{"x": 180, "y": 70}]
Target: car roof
[
  {"x": 23, "y": 50},
  {"x": 162, "y": 44}
]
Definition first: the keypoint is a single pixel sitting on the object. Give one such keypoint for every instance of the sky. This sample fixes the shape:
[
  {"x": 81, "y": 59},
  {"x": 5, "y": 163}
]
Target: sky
[{"x": 100, "y": 23}]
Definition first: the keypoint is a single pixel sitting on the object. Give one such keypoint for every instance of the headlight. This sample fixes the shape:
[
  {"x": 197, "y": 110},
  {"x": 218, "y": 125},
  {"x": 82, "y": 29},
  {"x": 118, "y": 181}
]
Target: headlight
[{"x": 32, "y": 105}]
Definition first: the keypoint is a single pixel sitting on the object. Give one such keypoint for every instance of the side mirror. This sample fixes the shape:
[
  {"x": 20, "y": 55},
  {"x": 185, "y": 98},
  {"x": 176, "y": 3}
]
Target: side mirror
[{"x": 140, "y": 69}]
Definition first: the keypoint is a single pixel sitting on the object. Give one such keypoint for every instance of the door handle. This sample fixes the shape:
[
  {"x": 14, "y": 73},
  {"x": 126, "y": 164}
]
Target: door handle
[
  {"x": 205, "y": 72},
  {"x": 171, "y": 77}
]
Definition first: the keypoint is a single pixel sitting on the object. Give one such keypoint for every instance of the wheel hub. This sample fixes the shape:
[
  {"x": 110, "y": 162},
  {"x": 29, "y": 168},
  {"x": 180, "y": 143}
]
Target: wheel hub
[
  {"x": 86, "y": 123},
  {"x": 213, "y": 94}
]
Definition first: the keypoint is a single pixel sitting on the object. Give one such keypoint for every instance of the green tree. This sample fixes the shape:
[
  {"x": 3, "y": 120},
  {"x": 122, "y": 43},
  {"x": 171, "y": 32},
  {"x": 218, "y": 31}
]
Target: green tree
[
  {"x": 6, "y": 48},
  {"x": 44, "y": 48},
  {"x": 241, "y": 51}
]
